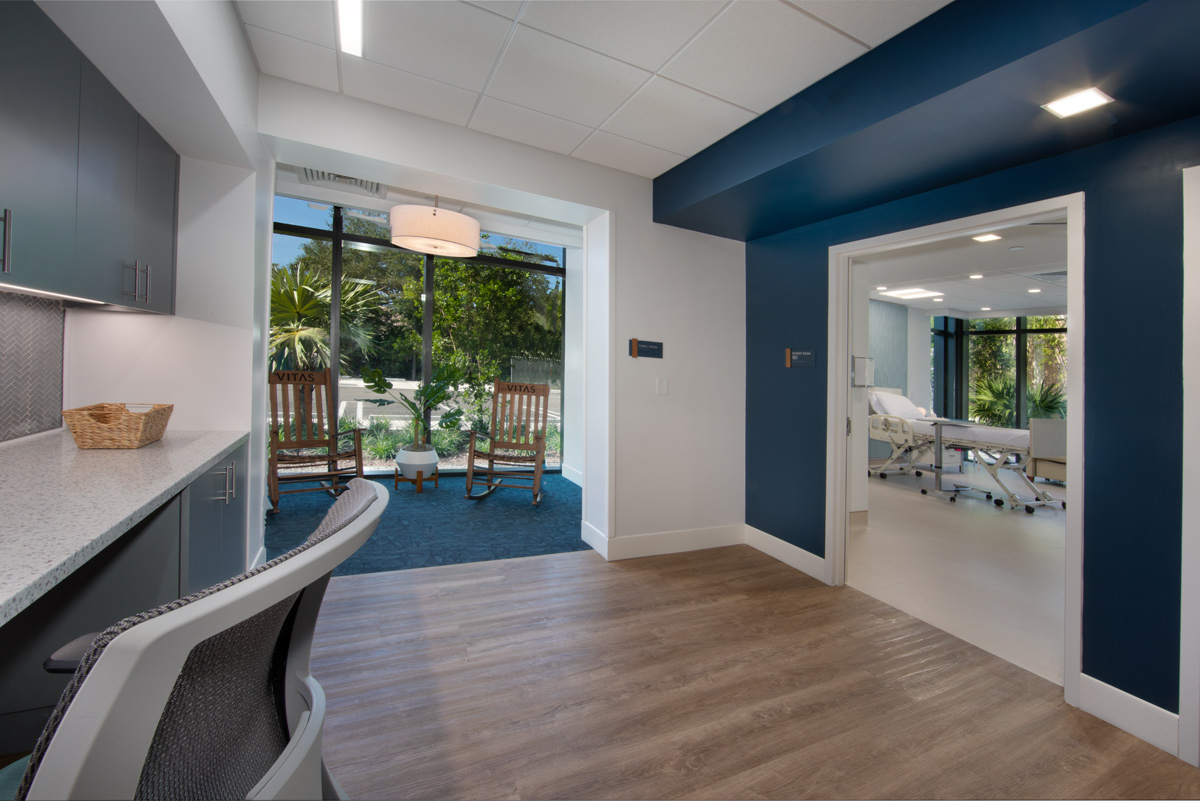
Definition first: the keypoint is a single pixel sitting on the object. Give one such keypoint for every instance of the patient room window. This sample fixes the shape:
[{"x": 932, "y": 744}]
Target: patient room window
[{"x": 1017, "y": 369}]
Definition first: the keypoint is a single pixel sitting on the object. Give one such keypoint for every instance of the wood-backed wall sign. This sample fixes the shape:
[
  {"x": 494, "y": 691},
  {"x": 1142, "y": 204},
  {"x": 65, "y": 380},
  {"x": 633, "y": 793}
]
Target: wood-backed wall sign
[
  {"x": 645, "y": 349},
  {"x": 800, "y": 357}
]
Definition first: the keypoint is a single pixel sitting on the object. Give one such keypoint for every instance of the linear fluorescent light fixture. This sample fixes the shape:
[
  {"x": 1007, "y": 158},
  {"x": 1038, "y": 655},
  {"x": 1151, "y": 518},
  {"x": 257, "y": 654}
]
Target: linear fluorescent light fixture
[
  {"x": 350, "y": 26},
  {"x": 986, "y": 237},
  {"x": 913, "y": 294},
  {"x": 20, "y": 290},
  {"x": 1078, "y": 102}
]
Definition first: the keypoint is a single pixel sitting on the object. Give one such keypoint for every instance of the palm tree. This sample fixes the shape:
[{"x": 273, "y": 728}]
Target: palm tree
[{"x": 300, "y": 315}]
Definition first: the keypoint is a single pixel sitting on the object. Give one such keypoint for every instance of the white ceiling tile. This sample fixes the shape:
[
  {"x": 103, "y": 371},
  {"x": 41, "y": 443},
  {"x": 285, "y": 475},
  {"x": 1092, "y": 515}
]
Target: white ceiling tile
[
  {"x": 294, "y": 59},
  {"x": 386, "y": 86},
  {"x": 310, "y": 20},
  {"x": 623, "y": 154},
  {"x": 452, "y": 42},
  {"x": 505, "y": 8},
  {"x": 761, "y": 52},
  {"x": 528, "y": 127},
  {"x": 673, "y": 117},
  {"x": 642, "y": 32},
  {"x": 564, "y": 80},
  {"x": 871, "y": 21}
]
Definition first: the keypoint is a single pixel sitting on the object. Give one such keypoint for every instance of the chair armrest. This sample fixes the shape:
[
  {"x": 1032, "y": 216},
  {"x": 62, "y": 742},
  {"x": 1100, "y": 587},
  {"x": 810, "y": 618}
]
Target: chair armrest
[{"x": 68, "y": 657}]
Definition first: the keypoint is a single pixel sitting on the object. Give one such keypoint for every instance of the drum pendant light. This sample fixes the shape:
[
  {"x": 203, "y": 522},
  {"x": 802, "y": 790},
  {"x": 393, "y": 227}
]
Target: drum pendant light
[{"x": 439, "y": 232}]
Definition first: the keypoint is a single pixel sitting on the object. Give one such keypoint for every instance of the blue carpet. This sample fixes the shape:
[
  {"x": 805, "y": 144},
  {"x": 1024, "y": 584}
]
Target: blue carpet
[{"x": 441, "y": 527}]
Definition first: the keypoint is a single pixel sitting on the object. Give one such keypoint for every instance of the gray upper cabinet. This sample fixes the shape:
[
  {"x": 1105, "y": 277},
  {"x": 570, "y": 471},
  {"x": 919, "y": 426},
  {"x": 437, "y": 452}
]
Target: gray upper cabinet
[
  {"x": 91, "y": 185},
  {"x": 105, "y": 242},
  {"x": 39, "y": 143},
  {"x": 157, "y": 192}
]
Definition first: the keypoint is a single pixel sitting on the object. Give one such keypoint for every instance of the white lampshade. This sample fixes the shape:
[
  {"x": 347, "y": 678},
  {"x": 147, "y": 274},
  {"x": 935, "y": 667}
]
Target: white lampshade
[{"x": 428, "y": 229}]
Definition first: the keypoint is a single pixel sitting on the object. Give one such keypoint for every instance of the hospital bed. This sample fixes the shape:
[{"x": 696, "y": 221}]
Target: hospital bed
[{"x": 917, "y": 438}]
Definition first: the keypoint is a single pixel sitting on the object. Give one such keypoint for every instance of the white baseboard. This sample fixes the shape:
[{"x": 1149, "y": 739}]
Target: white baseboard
[
  {"x": 573, "y": 475},
  {"x": 785, "y": 552},
  {"x": 1140, "y": 718},
  {"x": 594, "y": 537},
  {"x": 664, "y": 542}
]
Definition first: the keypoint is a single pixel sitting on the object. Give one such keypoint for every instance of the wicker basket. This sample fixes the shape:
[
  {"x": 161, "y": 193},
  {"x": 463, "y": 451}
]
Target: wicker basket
[{"x": 115, "y": 425}]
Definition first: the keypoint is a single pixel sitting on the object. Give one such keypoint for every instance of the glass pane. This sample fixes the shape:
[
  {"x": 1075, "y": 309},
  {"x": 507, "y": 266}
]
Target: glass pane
[
  {"x": 380, "y": 330},
  {"x": 300, "y": 295},
  {"x": 1046, "y": 375},
  {"x": 500, "y": 323},
  {"x": 303, "y": 212},
  {"x": 992, "y": 377},
  {"x": 364, "y": 222},
  {"x": 992, "y": 324}
]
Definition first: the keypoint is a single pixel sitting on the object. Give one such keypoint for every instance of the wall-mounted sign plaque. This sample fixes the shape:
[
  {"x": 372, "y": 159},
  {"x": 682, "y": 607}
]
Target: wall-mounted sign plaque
[{"x": 645, "y": 349}]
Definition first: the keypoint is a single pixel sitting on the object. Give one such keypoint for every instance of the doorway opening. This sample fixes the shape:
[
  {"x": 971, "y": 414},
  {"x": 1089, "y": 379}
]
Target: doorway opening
[{"x": 945, "y": 582}]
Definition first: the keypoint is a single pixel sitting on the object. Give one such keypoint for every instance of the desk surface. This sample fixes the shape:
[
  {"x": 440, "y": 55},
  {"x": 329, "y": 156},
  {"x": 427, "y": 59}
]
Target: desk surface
[{"x": 60, "y": 505}]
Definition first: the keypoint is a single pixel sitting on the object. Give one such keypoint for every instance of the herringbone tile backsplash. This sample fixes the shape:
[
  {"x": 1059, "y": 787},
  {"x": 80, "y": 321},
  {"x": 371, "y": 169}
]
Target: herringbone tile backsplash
[{"x": 31, "y": 365}]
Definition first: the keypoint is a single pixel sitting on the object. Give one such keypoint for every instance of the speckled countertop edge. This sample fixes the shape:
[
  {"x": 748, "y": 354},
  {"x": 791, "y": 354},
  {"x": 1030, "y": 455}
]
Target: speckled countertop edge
[{"x": 60, "y": 505}]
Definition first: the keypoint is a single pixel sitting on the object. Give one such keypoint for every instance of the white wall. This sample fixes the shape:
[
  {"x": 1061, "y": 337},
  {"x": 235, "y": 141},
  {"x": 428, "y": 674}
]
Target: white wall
[
  {"x": 860, "y": 345},
  {"x": 682, "y": 288},
  {"x": 573, "y": 383}
]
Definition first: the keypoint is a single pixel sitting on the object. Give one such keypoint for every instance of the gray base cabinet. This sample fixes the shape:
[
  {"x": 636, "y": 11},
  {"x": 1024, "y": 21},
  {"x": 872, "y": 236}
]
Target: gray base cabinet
[
  {"x": 137, "y": 572},
  {"x": 193, "y": 541},
  {"x": 213, "y": 534}
]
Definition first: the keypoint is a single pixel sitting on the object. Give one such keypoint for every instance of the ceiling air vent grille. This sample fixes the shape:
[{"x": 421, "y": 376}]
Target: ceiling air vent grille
[
  {"x": 1059, "y": 277},
  {"x": 332, "y": 180}
]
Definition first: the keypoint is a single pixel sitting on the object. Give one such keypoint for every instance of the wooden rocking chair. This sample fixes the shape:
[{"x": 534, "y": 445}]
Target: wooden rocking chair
[
  {"x": 304, "y": 435},
  {"x": 518, "y": 439}
]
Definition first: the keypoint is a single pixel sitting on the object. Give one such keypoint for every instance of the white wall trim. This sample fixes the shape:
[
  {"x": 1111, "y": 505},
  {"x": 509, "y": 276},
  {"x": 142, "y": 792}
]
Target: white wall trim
[
  {"x": 1140, "y": 718},
  {"x": 664, "y": 542},
  {"x": 594, "y": 537},
  {"x": 840, "y": 259},
  {"x": 787, "y": 553},
  {"x": 574, "y": 475},
  {"x": 259, "y": 558},
  {"x": 1189, "y": 617}
]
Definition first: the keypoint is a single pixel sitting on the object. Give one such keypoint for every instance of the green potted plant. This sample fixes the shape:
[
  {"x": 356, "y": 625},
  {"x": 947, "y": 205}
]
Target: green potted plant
[{"x": 419, "y": 455}]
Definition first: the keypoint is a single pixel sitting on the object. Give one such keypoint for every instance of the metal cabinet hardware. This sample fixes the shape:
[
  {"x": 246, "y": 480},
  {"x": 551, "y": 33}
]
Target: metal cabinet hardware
[
  {"x": 231, "y": 482},
  {"x": 7, "y": 258},
  {"x": 137, "y": 280}
]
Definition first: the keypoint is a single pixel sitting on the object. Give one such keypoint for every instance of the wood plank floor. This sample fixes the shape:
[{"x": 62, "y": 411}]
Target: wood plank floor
[{"x": 713, "y": 674}]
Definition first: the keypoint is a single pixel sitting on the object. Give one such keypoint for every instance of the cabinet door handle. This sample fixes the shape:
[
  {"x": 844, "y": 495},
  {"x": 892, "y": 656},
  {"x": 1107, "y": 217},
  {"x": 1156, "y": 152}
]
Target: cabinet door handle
[
  {"x": 137, "y": 281},
  {"x": 148, "y": 267},
  {"x": 7, "y": 242},
  {"x": 230, "y": 482}
]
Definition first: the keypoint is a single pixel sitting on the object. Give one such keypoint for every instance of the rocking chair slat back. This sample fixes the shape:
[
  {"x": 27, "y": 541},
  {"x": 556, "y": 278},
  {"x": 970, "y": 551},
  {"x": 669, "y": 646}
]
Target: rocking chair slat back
[
  {"x": 300, "y": 407},
  {"x": 519, "y": 414}
]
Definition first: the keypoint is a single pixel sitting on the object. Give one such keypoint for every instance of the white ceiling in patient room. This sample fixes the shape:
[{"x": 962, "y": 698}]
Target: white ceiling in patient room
[{"x": 946, "y": 266}]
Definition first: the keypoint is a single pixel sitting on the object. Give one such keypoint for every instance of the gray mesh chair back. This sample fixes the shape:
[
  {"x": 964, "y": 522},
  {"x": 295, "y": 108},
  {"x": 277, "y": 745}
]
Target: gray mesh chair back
[{"x": 209, "y": 696}]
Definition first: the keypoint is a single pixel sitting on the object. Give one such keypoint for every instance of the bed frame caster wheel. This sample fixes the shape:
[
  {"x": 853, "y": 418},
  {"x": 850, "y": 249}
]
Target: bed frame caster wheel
[
  {"x": 988, "y": 496},
  {"x": 1029, "y": 510},
  {"x": 953, "y": 498},
  {"x": 924, "y": 491},
  {"x": 883, "y": 475},
  {"x": 998, "y": 502},
  {"x": 1064, "y": 503},
  {"x": 917, "y": 473}
]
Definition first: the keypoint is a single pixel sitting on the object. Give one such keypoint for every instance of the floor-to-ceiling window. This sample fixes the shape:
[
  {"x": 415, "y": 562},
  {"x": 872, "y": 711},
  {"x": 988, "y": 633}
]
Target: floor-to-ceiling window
[
  {"x": 1016, "y": 369},
  {"x": 496, "y": 316}
]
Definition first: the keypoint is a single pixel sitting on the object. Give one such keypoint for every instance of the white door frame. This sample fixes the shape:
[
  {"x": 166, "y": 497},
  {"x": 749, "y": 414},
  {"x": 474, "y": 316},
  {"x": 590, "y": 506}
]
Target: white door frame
[
  {"x": 838, "y": 397},
  {"x": 1189, "y": 617}
]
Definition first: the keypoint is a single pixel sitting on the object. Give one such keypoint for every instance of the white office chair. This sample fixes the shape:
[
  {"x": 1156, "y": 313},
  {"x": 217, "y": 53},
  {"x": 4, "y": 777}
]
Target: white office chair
[{"x": 209, "y": 696}]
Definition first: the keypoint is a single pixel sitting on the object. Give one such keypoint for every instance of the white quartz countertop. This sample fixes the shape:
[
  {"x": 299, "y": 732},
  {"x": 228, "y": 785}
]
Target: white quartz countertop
[{"x": 60, "y": 505}]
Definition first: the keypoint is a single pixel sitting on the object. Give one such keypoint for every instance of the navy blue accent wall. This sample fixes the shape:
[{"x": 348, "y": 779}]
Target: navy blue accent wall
[{"x": 1134, "y": 272}]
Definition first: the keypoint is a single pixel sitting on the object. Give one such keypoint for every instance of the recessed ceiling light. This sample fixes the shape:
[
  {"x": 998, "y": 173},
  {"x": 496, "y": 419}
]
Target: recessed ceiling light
[
  {"x": 1015, "y": 248},
  {"x": 350, "y": 26},
  {"x": 912, "y": 294},
  {"x": 986, "y": 238},
  {"x": 937, "y": 300},
  {"x": 880, "y": 288},
  {"x": 985, "y": 308},
  {"x": 1035, "y": 290},
  {"x": 1080, "y": 101},
  {"x": 977, "y": 276}
]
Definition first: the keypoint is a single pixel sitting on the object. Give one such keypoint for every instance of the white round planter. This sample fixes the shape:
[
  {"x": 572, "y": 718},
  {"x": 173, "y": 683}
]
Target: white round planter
[{"x": 410, "y": 462}]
